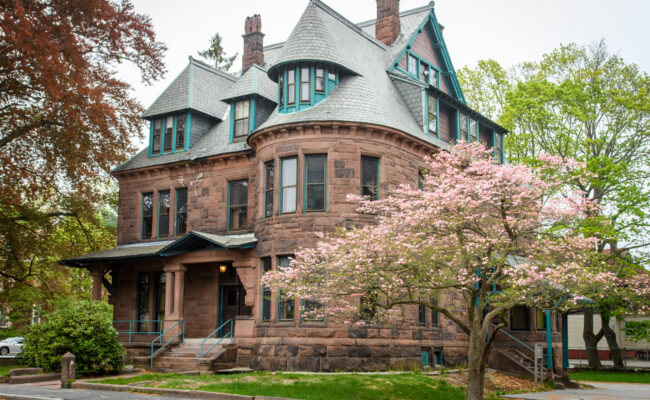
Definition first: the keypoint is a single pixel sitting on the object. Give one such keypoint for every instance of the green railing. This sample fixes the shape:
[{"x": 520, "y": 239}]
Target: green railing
[
  {"x": 225, "y": 336},
  {"x": 137, "y": 323},
  {"x": 181, "y": 333}
]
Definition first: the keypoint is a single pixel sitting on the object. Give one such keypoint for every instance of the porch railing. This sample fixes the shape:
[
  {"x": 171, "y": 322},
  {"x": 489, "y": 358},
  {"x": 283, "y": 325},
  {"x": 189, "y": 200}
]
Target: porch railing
[
  {"x": 161, "y": 337},
  {"x": 149, "y": 323},
  {"x": 227, "y": 335}
]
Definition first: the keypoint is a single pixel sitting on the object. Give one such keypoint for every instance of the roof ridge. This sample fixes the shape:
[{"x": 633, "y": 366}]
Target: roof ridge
[
  {"x": 212, "y": 69},
  {"x": 347, "y": 22},
  {"x": 405, "y": 13},
  {"x": 274, "y": 45}
]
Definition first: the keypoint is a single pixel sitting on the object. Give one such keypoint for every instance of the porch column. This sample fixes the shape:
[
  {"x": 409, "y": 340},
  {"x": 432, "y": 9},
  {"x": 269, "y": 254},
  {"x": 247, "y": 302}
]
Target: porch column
[
  {"x": 97, "y": 272},
  {"x": 174, "y": 295}
]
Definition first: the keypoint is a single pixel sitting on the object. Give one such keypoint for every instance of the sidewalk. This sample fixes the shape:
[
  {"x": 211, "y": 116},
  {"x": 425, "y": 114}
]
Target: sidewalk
[
  {"x": 630, "y": 363},
  {"x": 600, "y": 391}
]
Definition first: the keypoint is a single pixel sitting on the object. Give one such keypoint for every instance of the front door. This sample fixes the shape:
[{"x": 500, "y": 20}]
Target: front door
[{"x": 232, "y": 297}]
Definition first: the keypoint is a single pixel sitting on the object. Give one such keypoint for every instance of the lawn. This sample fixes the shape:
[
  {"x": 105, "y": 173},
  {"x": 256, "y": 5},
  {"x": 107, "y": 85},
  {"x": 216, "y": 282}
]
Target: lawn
[
  {"x": 611, "y": 376},
  {"x": 4, "y": 370},
  {"x": 308, "y": 387}
]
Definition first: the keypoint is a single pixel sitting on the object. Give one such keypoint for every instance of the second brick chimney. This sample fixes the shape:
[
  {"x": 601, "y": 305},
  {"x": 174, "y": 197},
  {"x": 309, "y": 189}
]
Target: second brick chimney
[
  {"x": 253, "y": 43},
  {"x": 387, "y": 26}
]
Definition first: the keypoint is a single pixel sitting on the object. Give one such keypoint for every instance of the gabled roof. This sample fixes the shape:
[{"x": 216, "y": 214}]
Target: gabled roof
[
  {"x": 198, "y": 87},
  {"x": 254, "y": 82},
  {"x": 323, "y": 35},
  {"x": 189, "y": 242}
]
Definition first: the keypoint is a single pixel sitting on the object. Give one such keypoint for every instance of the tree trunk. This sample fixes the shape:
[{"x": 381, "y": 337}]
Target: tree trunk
[
  {"x": 610, "y": 336},
  {"x": 591, "y": 340},
  {"x": 476, "y": 359}
]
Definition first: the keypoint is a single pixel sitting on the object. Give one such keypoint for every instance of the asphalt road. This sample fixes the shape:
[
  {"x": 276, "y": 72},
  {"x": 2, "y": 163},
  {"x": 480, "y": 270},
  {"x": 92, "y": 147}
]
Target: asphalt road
[
  {"x": 35, "y": 392},
  {"x": 601, "y": 391}
]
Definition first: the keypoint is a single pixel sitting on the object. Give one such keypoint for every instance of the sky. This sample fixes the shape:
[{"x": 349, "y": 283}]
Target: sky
[{"x": 508, "y": 31}]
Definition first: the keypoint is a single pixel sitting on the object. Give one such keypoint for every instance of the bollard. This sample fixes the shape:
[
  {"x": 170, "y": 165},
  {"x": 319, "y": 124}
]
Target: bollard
[{"x": 68, "y": 368}]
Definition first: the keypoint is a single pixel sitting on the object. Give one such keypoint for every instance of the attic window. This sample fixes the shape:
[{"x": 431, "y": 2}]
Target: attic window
[
  {"x": 432, "y": 106},
  {"x": 281, "y": 85},
  {"x": 291, "y": 86},
  {"x": 424, "y": 71},
  {"x": 433, "y": 77},
  {"x": 305, "y": 86},
  {"x": 242, "y": 113}
]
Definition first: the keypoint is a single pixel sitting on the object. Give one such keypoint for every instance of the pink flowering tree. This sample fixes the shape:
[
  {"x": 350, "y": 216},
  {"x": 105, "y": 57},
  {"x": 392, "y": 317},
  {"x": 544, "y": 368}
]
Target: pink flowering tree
[{"x": 472, "y": 226}]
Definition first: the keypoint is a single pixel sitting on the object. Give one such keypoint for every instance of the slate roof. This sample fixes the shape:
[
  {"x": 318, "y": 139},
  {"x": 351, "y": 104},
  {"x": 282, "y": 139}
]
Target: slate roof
[
  {"x": 162, "y": 248},
  {"x": 198, "y": 87},
  {"x": 254, "y": 82},
  {"x": 366, "y": 91}
]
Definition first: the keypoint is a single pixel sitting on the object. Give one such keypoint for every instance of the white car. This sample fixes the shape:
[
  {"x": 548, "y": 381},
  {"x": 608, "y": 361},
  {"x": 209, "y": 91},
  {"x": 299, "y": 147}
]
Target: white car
[{"x": 11, "y": 346}]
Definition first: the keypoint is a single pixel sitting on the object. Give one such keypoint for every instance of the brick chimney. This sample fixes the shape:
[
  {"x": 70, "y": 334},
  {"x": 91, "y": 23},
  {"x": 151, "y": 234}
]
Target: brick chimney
[
  {"x": 387, "y": 25},
  {"x": 253, "y": 43}
]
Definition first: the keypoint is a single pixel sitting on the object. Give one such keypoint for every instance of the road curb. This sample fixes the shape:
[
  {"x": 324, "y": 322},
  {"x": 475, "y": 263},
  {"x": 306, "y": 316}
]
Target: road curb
[
  {"x": 184, "y": 394},
  {"x": 8, "y": 396}
]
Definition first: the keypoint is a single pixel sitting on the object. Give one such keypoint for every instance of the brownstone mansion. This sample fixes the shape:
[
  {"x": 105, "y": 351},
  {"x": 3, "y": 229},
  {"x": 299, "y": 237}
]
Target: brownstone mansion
[{"x": 242, "y": 169}]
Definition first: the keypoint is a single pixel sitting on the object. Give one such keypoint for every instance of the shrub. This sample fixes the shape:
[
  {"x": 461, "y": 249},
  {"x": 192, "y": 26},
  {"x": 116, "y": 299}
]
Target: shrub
[{"x": 83, "y": 328}]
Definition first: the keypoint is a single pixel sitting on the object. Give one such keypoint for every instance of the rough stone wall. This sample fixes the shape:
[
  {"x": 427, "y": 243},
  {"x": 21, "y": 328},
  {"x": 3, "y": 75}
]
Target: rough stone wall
[
  {"x": 207, "y": 187},
  {"x": 201, "y": 299}
]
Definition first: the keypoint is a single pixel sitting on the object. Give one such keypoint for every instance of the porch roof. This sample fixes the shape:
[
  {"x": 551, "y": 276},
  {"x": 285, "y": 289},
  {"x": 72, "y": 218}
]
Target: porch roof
[{"x": 192, "y": 241}]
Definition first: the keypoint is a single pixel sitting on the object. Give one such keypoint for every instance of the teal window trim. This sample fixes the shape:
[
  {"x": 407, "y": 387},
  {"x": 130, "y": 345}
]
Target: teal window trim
[
  {"x": 457, "y": 125},
  {"x": 187, "y": 193},
  {"x": 378, "y": 175},
  {"x": 279, "y": 299},
  {"x": 232, "y": 122},
  {"x": 264, "y": 289},
  {"x": 315, "y": 97},
  {"x": 305, "y": 184},
  {"x": 142, "y": 215},
  {"x": 163, "y": 124},
  {"x": 251, "y": 115},
  {"x": 188, "y": 131},
  {"x": 281, "y": 187},
  {"x": 438, "y": 117},
  {"x": 228, "y": 221}
]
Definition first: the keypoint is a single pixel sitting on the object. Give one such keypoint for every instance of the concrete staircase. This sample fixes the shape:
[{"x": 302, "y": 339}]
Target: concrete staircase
[{"x": 184, "y": 357}]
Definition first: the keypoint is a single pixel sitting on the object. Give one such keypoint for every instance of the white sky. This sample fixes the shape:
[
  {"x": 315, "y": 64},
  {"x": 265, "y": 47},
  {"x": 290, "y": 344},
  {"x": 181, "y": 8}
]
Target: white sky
[{"x": 509, "y": 31}]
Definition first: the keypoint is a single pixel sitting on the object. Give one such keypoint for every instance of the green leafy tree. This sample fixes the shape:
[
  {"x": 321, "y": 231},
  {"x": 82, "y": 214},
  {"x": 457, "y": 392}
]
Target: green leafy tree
[
  {"x": 637, "y": 330},
  {"x": 584, "y": 103},
  {"x": 83, "y": 328},
  {"x": 216, "y": 53}
]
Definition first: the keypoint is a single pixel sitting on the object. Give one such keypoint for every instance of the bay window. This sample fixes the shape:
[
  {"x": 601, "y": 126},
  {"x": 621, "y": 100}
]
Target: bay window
[
  {"x": 269, "y": 179},
  {"x": 238, "y": 204},
  {"x": 169, "y": 130},
  {"x": 288, "y": 181},
  {"x": 315, "y": 176},
  {"x": 163, "y": 213},
  {"x": 147, "y": 215},
  {"x": 181, "y": 212}
]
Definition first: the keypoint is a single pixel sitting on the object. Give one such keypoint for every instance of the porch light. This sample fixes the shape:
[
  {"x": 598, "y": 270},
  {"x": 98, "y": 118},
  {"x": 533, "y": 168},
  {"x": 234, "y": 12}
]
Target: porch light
[{"x": 222, "y": 268}]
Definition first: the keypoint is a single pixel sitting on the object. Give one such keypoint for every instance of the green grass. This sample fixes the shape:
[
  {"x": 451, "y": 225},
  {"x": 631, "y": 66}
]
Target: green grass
[
  {"x": 308, "y": 387},
  {"x": 611, "y": 376},
  {"x": 4, "y": 370}
]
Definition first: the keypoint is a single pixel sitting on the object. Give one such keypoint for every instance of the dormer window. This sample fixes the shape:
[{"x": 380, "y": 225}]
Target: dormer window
[
  {"x": 433, "y": 77},
  {"x": 304, "y": 85},
  {"x": 432, "y": 106},
  {"x": 412, "y": 65},
  {"x": 242, "y": 118},
  {"x": 169, "y": 134},
  {"x": 424, "y": 71}
]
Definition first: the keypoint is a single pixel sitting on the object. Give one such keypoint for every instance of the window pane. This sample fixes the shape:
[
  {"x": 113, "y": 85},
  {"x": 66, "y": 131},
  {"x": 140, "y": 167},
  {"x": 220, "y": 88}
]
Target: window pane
[
  {"x": 281, "y": 84},
  {"x": 369, "y": 181},
  {"x": 238, "y": 193},
  {"x": 519, "y": 318},
  {"x": 320, "y": 78},
  {"x": 462, "y": 120},
  {"x": 157, "y": 132},
  {"x": 412, "y": 64},
  {"x": 269, "y": 172},
  {"x": 289, "y": 199},
  {"x": 472, "y": 130},
  {"x": 163, "y": 213},
  {"x": 541, "y": 319},
  {"x": 422, "y": 315},
  {"x": 316, "y": 169},
  {"x": 287, "y": 306},
  {"x": 242, "y": 109},
  {"x": 241, "y": 127},
  {"x": 331, "y": 76},
  {"x": 291, "y": 86},
  {"x": 155, "y": 146},
  {"x": 316, "y": 197},
  {"x": 432, "y": 106},
  {"x": 289, "y": 170},
  {"x": 313, "y": 311},
  {"x": 433, "y": 77},
  {"x": 423, "y": 69},
  {"x": 304, "y": 91},
  {"x": 143, "y": 301}
]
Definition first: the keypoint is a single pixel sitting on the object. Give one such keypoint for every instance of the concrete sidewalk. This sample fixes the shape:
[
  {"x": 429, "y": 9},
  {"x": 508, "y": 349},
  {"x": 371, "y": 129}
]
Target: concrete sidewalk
[
  {"x": 29, "y": 392},
  {"x": 601, "y": 391}
]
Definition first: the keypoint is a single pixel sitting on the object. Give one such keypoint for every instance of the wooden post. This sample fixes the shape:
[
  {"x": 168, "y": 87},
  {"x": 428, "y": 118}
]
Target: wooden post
[{"x": 97, "y": 272}]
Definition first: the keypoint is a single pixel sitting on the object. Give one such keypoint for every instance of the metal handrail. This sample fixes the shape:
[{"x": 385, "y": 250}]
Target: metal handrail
[
  {"x": 131, "y": 332},
  {"x": 226, "y": 336},
  {"x": 514, "y": 338},
  {"x": 181, "y": 333}
]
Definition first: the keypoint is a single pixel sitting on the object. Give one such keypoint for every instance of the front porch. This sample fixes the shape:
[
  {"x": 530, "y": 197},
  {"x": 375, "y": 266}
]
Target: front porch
[{"x": 178, "y": 291}]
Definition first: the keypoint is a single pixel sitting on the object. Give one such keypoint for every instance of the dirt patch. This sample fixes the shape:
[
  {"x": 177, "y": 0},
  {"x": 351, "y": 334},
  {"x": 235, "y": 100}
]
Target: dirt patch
[{"x": 494, "y": 382}]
